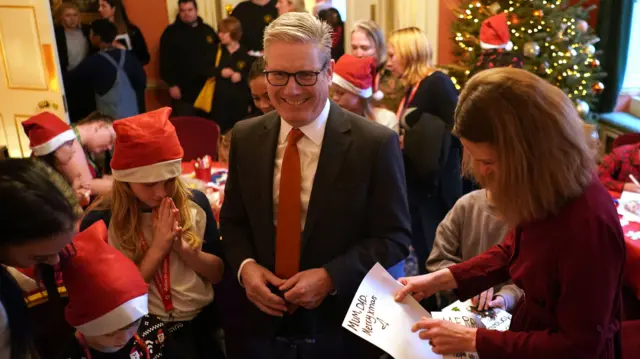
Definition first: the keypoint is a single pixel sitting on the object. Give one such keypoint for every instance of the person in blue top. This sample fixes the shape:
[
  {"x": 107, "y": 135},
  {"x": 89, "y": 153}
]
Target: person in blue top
[{"x": 114, "y": 75}]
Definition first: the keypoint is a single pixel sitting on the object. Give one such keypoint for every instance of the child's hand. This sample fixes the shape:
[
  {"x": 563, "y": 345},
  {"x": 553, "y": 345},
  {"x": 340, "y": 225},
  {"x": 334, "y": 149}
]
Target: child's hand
[
  {"x": 226, "y": 72},
  {"x": 165, "y": 226},
  {"x": 236, "y": 77},
  {"x": 631, "y": 187},
  {"x": 183, "y": 248}
]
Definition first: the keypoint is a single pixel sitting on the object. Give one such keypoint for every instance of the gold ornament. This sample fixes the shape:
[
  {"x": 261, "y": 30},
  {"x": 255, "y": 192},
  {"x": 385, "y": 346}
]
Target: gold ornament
[
  {"x": 582, "y": 26},
  {"x": 229, "y": 9},
  {"x": 594, "y": 63},
  {"x": 582, "y": 108},
  {"x": 531, "y": 49},
  {"x": 494, "y": 8},
  {"x": 538, "y": 13},
  {"x": 597, "y": 88}
]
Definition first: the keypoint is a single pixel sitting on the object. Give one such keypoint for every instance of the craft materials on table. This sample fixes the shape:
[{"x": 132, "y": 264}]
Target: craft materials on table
[
  {"x": 376, "y": 317},
  {"x": 629, "y": 206}
]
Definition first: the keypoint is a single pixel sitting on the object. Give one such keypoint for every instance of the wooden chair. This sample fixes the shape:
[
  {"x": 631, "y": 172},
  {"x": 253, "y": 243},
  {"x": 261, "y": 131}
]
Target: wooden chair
[
  {"x": 626, "y": 139},
  {"x": 198, "y": 136}
]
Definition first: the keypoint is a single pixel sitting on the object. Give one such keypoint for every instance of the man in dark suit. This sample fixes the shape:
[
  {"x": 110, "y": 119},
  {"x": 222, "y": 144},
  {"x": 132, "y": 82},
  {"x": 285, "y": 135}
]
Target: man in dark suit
[{"x": 315, "y": 197}]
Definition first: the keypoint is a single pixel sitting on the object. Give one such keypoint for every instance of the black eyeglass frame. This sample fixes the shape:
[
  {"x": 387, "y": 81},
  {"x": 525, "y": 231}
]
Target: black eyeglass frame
[{"x": 295, "y": 76}]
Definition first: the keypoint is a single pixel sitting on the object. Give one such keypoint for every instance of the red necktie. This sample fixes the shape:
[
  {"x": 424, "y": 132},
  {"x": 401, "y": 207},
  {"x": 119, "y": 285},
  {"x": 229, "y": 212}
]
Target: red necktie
[{"x": 289, "y": 210}]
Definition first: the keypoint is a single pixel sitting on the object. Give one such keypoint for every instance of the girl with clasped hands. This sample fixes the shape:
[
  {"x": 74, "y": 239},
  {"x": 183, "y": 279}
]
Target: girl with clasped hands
[{"x": 524, "y": 141}]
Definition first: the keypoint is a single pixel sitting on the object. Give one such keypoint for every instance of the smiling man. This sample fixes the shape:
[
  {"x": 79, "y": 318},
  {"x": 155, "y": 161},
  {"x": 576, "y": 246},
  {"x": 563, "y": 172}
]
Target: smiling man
[{"x": 315, "y": 197}]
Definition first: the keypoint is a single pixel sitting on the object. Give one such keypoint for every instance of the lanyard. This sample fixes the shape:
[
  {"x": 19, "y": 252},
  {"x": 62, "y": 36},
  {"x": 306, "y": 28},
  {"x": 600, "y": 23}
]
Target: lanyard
[
  {"x": 405, "y": 103},
  {"x": 162, "y": 278},
  {"x": 90, "y": 161},
  {"x": 87, "y": 352}
]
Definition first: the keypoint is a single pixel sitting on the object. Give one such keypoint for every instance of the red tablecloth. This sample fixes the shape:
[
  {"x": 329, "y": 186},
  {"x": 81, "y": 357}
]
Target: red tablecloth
[{"x": 631, "y": 232}]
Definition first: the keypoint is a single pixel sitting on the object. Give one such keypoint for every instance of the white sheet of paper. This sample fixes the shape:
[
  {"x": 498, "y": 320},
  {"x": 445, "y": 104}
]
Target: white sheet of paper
[
  {"x": 629, "y": 206},
  {"x": 376, "y": 317}
]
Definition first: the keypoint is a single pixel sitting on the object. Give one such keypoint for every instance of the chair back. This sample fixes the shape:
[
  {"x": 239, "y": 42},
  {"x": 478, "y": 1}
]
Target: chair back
[
  {"x": 198, "y": 136},
  {"x": 626, "y": 139}
]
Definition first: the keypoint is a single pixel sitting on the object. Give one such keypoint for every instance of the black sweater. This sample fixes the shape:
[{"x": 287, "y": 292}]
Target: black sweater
[
  {"x": 254, "y": 19},
  {"x": 436, "y": 95},
  {"x": 187, "y": 56}
]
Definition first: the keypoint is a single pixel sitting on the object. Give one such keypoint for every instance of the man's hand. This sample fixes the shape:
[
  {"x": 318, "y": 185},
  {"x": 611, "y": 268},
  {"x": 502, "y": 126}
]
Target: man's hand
[
  {"x": 255, "y": 279},
  {"x": 308, "y": 288},
  {"x": 175, "y": 93}
]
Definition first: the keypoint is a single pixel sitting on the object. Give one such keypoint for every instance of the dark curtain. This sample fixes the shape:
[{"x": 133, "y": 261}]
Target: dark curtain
[{"x": 614, "y": 30}]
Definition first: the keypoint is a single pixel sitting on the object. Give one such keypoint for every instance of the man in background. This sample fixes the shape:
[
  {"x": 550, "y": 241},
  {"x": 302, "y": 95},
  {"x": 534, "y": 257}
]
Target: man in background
[
  {"x": 255, "y": 16},
  {"x": 188, "y": 49}
]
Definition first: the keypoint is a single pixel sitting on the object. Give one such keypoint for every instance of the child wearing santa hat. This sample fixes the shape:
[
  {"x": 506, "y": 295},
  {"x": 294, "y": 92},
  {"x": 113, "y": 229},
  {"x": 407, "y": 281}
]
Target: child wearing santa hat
[
  {"x": 168, "y": 230},
  {"x": 352, "y": 89},
  {"x": 496, "y": 46},
  {"x": 107, "y": 302},
  {"x": 51, "y": 140}
]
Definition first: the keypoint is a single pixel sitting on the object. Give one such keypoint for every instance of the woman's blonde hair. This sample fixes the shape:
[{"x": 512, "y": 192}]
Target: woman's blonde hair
[
  {"x": 414, "y": 51},
  {"x": 543, "y": 158},
  {"x": 64, "y": 6},
  {"x": 125, "y": 220},
  {"x": 374, "y": 33}
]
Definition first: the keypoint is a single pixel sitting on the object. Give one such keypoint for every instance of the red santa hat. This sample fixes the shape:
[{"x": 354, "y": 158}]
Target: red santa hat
[
  {"x": 147, "y": 148},
  {"x": 47, "y": 132},
  {"x": 494, "y": 33},
  {"x": 356, "y": 75},
  {"x": 106, "y": 290}
]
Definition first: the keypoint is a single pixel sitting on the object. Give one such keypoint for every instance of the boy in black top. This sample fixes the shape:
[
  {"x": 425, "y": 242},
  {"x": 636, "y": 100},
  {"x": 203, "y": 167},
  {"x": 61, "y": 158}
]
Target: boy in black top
[
  {"x": 255, "y": 16},
  {"x": 187, "y": 57}
]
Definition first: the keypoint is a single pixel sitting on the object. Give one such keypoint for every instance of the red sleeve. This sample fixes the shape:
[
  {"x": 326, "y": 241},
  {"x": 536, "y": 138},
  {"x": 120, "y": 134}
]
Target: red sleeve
[
  {"x": 485, "y": 270},
  {"x": 609, "y": 169},
  {"x": 588, "y": 305}
]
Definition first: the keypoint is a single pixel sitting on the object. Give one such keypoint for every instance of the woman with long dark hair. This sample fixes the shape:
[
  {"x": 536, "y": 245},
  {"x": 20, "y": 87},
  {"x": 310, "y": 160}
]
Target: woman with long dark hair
[
  {"x": 38, "y": 219},
  {"x": 129, "y": 35}
]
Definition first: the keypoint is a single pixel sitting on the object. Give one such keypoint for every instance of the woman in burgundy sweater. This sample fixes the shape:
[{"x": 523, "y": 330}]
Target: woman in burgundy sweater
[{"x": 566, "y": 248}]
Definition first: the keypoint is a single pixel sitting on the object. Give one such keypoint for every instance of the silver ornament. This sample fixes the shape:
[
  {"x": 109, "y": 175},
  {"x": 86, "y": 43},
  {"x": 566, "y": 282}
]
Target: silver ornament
[
  {"x": 582, "y": 26},
  {"x": 589, "y": 49},
  {"x": 582, "y": 108},
  {"x": 531, "y": 49}
]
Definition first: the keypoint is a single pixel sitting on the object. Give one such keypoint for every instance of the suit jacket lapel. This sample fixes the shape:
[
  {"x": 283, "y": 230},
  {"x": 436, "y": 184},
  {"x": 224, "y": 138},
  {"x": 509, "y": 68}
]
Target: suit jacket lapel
[
  {"x": 335, "y": 144},
  {"x": 266, "y": 143}
]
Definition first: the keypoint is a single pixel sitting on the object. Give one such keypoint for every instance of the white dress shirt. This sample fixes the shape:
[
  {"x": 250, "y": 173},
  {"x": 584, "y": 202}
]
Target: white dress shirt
[{"x": 309, "y": 147}]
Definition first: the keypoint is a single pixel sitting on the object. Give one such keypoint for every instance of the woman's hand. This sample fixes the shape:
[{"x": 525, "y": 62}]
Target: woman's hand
[
  {"x": 424, "y": 286},
  {"x": 446, "y": 337},
  {"x": 165, "y": 226},
  {"x": 226, "y": 72}
]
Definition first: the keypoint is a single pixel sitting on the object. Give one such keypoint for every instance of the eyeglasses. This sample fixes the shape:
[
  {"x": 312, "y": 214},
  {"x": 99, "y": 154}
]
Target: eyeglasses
[{"x": 303, "y": 78}]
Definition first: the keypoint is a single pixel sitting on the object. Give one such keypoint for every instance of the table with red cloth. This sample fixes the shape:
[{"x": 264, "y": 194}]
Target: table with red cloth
[
  {"x": 631, "y": 232},
  {"x": 213, "y": 188}
]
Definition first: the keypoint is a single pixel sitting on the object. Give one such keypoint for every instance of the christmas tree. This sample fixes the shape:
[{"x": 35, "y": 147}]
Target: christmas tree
[{"x": 553, "y": 35}]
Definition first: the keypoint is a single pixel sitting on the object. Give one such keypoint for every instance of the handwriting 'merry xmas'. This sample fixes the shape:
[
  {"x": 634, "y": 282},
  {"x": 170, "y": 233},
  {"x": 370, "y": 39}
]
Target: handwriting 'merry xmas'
[{"x": 369, "y": 313}]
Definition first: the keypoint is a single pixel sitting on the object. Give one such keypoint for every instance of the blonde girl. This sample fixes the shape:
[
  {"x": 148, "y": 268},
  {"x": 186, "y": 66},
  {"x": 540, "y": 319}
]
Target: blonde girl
[{"x": 168, "y": 230}]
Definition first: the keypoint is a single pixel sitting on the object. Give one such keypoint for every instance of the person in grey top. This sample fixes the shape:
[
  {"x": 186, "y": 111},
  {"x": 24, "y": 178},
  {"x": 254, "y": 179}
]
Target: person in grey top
[{"x": 470, "y": 228}]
